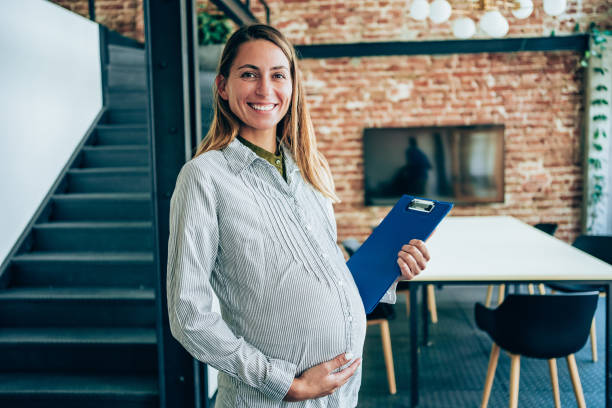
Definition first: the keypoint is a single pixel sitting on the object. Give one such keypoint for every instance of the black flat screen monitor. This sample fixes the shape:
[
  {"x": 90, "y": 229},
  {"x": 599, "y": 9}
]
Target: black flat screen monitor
[{"x": 461, "y": 164}]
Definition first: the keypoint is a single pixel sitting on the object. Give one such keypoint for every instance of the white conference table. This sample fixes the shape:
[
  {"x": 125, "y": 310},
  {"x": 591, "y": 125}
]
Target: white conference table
[{"x": 501, "y": 249}]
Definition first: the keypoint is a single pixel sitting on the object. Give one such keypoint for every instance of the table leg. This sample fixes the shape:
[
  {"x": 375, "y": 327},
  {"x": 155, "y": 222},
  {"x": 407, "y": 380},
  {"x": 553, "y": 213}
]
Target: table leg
[
  {"x": 608, "y": 337},
  {"x": 414, "y": 362},
  {"x": 425, "y": 315}
]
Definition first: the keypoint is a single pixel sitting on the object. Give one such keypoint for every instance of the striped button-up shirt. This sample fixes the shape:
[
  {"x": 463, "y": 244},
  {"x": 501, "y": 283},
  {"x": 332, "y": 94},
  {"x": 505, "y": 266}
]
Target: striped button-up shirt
[{"x": 267, "y": 248}]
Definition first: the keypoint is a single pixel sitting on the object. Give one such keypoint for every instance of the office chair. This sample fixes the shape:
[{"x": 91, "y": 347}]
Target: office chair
[
  {"x": 537, "y": 326},
  {"x": 599, "y": 246},
  {"x": 550, "y": 229},
  {"x": 381, "y": 315}
]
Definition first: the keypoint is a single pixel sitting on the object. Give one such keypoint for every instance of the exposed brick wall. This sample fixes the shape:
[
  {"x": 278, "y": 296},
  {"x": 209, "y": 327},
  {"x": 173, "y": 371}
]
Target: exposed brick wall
[
  {"x": 124, "y": 16},
  {"x": 537, "y": 96},
  {"x": 337, "y": 21}
]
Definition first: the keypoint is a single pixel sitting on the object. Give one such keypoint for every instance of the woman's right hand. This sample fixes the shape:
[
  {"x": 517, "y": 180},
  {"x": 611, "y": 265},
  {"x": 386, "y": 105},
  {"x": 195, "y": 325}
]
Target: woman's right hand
[{"x": 320, "y": 380}]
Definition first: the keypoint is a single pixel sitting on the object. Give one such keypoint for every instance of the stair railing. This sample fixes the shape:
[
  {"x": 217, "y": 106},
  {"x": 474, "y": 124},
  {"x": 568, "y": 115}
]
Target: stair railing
[{"x": 92, "y": 10}]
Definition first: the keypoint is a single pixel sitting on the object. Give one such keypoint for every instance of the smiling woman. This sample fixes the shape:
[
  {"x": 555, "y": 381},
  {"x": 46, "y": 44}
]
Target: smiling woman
[
  {"x": 258, "y": 90},
  {"x": 251, "y": 219}
]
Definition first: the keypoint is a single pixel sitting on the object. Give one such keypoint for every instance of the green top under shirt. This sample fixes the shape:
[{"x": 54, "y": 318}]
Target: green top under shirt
[{"x": 274, "y": 159}]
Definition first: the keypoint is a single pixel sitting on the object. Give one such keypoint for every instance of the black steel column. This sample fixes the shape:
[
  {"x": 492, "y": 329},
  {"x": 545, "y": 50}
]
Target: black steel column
[
  {"x": 425, "y": 314},
  {"x": 608, "y": 345},
  {"x": 170, "y": 129},
  {"x": 414, "y": 346}
]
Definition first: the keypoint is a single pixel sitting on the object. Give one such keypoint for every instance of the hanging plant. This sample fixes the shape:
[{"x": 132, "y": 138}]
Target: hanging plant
[
  {"x": 213, "y": 28},
  {"x": 596, "y": 183}
]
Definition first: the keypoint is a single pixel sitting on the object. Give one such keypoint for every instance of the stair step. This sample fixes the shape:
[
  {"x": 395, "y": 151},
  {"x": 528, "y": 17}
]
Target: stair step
[
  {"x": 80, "y": 350},
  {"x": 78, "y": 269},
  {"x": 126, "y": 116},
  {"x": 126, "y": 56},
  {"x": 78, "y": 335},
  {"x": 127, "y": 78},
  {"x": 124, "y": 99},
  {"x": 93, "y": 236},
  {"x": 121, "y": 135},
  {"x": 77, "y": 307},
  {"x": 115, "y": 156},
  {"x": 41, "y": 390},
  {"x": 114, "y": 179},
  {"x": 101, "y": 207}
]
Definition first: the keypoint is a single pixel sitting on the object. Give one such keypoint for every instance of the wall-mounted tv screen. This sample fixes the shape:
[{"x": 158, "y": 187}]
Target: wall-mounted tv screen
[{"x": 462, "y": 164}]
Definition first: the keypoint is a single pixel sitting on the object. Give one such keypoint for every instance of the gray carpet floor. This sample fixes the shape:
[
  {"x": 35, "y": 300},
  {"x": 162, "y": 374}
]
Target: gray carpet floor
[{"x": 454, "y": 365}]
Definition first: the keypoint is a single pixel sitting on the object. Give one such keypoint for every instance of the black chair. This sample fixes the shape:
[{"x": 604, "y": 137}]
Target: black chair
[
  {"x": 381, "y": 315},
  {"x": 538, "y": 326},
  {"x": 599, "y": 246},
  {"x": 550, "y": 229}
]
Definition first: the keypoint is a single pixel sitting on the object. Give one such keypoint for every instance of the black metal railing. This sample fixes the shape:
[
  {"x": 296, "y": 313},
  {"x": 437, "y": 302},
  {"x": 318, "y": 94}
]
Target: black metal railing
[
  {"x": 265, "y": 6},
  {"x": 92, "y": 10}
]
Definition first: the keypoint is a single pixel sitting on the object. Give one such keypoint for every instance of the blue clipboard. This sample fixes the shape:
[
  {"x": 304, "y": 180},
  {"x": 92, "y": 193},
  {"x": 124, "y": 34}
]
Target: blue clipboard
[{"x": 374, "y": 265}]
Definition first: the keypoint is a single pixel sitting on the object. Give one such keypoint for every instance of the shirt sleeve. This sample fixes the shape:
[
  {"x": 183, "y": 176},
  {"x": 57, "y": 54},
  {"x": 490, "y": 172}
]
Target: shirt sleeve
[{"x": 192, "y": 253}]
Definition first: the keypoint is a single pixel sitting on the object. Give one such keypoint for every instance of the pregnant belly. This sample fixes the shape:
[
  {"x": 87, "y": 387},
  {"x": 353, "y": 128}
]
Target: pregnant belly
[{"x": 308, "y": 323}]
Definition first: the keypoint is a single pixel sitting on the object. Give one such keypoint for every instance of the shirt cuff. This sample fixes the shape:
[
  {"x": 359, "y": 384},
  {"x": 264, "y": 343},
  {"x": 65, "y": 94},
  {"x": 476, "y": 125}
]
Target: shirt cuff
[
  {"x": 390, "y": 296},
  {"x": 279, "y": 379}
]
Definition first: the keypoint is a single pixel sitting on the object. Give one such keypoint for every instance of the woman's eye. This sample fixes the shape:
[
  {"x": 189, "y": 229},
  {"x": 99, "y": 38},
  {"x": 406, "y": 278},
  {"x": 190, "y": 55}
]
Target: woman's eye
[
  {"x": 247, "y": 75},
  {"x": 279, "y": 76}
]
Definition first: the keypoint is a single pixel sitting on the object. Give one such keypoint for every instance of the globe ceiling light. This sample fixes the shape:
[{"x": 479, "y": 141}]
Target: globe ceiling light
[
  {"x": 439, "y": 11},
  {"x": 419, "y": 9},
  {"x": 525, "y": 9},
  {"x": 464, "y": 28},
  {"x": 494, "y": 24},
  {"x": 554, "y": 7}
]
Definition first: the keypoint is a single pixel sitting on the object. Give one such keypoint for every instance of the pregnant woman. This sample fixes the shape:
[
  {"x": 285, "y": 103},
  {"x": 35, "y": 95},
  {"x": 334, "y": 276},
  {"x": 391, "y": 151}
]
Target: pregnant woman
[{"x": 251, "y": 220}]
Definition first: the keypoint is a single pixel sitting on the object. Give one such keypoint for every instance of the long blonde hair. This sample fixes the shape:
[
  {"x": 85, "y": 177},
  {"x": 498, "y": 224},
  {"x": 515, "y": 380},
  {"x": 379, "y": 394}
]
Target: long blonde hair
[{"x": 295, "y": 130}]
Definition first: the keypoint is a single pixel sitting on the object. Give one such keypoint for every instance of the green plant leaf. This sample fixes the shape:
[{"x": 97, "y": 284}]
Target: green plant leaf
[
  {"x": 596, "y": 163},
  {"x": 584, "y": 63},
  {"x": 587, "y": 54},
  {"x": 598, "y": 132},
  {"x": 577, "y": 28},
  {"x": 600, "y": 117},
  {"x": 601, "y": 88},
  {"x": 597, "y": 147},
  {"x": 600, "y": 70},
  {"x": 212, "y": 28},
  {"x": 598, "y": 39},
  {"x": 599, "y": 102}
]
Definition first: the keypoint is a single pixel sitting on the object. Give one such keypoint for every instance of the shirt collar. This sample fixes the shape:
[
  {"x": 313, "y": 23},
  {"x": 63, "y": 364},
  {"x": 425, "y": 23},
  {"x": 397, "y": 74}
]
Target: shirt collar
[{"x": 240, "y": 157}]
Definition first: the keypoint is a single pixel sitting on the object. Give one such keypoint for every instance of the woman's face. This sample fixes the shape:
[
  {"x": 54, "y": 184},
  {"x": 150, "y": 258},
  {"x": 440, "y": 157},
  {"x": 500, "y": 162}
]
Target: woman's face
[{"x": 258, "y": 89}]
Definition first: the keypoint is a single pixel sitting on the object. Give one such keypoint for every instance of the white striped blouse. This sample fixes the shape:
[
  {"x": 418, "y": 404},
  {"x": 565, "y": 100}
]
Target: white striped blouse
[{"x": 267, "y": 248}]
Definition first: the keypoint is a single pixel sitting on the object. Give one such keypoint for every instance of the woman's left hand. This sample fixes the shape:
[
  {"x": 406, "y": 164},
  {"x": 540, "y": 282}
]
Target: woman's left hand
[{"x": 412, "y": 259}]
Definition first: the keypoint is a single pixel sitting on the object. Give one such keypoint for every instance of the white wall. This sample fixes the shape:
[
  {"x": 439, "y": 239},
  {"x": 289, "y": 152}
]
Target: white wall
[{"x": 50, "y": 92}]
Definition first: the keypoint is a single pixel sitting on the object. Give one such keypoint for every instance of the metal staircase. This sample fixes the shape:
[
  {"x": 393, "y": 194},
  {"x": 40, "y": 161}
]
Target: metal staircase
[{"x": 77, "y": 318}]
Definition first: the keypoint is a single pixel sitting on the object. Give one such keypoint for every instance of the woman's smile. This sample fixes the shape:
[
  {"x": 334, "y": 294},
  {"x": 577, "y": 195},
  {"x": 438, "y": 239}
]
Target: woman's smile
[{"x": 262, "y": 107}]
